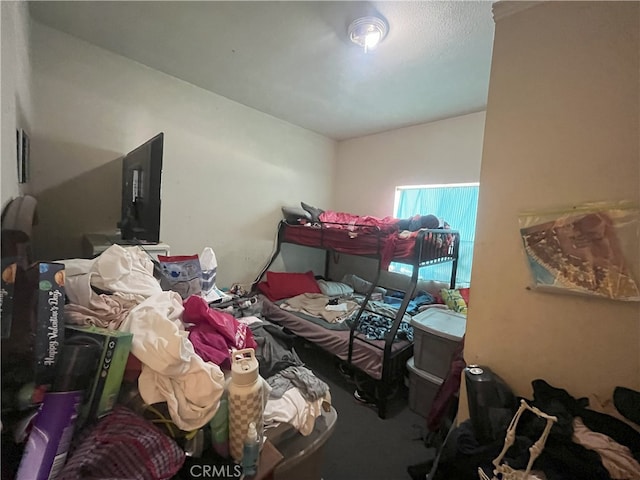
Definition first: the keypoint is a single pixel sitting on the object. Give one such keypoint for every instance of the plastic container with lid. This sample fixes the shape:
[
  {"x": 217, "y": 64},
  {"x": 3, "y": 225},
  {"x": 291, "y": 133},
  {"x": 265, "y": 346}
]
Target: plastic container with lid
[
  {"x": 423, "y": 388},
  {"x": 436, "y": 333}
]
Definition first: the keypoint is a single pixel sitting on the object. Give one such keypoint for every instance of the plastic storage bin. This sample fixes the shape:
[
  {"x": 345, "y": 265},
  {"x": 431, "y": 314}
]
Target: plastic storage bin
[
  {"x": 436, "y": 335},
  {"x": 423, "y": 388},
  {"x": 302, "y": 455}
]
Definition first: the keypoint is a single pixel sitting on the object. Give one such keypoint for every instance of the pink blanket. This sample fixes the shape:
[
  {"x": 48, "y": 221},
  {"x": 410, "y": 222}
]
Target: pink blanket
[{"x": 386, "y": 224}]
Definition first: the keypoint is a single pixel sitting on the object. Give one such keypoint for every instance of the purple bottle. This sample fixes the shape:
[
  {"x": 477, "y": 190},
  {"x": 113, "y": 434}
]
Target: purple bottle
[{"x": 48, "y": 444}]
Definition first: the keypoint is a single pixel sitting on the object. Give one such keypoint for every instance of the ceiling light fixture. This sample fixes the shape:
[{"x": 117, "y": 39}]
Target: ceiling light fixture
[{"x": 368, "y": 32}]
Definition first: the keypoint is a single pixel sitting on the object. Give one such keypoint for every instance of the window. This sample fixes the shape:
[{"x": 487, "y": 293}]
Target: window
[{"x": 455, "y": 204}]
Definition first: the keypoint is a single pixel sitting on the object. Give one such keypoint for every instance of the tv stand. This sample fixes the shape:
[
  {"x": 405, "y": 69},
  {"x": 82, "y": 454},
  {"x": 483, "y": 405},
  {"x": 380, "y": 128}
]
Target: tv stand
[{"x": 93, "y": 244}]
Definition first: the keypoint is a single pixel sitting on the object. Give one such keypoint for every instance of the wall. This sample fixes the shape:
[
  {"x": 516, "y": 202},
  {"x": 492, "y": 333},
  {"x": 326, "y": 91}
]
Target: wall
[
  {"x": 15, "y": 92},
  {"x": 562, "y": 128},
  {"x": 370, "y": 168},
  {"x": 227, "y": 168}
]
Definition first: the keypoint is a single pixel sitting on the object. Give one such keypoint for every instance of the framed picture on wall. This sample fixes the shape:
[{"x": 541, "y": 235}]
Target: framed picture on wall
[{"x": 22, "y": 148}]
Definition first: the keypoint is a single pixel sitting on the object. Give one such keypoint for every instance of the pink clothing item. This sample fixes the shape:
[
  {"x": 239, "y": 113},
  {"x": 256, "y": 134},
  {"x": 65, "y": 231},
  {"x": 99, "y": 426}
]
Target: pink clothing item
[
  {"x": 386, "y": 224},
  {"x": 616, "y": 458},
  {"x": 107, "y": 311},
  {"x": 210, "y": 345},
  {"x": 366, "y": 225},
  {"x": 209, "y": 323}
]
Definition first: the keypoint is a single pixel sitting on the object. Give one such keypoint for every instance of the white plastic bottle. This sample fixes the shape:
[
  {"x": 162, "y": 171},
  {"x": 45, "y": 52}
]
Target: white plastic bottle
[
  {"x": 251, "y": 452},
  {"x": 245, "y": 395}
]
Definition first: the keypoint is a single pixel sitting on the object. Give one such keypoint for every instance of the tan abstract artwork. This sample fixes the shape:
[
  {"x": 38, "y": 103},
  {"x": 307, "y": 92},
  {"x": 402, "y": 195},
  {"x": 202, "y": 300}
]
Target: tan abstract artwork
[{"x": 582, "y": 253}]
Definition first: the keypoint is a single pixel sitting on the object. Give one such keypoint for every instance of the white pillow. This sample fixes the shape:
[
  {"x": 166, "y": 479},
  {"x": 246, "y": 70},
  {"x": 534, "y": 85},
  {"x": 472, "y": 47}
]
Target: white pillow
[
  {"x": 361, "y": 285},
  {"x": 334, "y": 289}
]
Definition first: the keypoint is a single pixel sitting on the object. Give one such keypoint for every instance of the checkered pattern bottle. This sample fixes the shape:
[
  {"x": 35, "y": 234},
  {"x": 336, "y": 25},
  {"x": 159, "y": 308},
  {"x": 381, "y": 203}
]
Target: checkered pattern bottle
[{"x": 245, "y": 399}]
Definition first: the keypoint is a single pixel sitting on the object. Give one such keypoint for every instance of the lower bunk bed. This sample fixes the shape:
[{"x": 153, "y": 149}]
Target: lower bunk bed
[{"x": 383, "y": 364}]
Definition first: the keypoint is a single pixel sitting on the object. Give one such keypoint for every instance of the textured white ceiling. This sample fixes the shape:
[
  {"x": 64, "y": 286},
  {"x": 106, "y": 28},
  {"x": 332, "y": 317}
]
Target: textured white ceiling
[{"x": 293, "y": 60}]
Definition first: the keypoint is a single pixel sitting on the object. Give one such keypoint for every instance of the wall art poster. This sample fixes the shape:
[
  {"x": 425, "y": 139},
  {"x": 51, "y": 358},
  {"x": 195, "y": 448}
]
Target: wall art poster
[{"x": 586, "y": 250}]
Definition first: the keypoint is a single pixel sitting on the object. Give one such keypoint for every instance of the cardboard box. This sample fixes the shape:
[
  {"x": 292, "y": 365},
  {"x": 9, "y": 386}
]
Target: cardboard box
[
  {"x": 36, "y": 334},
  {"x": 105, "y": 388}
]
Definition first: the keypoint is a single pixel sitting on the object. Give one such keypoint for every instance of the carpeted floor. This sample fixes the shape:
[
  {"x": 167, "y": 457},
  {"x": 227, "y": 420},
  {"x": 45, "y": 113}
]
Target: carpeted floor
[{"x": 364, "y": 446}]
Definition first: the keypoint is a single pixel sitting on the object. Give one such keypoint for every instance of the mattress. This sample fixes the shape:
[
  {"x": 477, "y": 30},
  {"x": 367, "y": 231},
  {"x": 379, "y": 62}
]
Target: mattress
[
  {"x": 366, "y": 356},
  {"x": 430, "y": 246}
]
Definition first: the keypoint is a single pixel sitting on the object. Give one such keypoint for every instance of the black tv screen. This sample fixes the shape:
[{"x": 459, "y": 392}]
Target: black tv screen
[{"x": 141, "y": 188}]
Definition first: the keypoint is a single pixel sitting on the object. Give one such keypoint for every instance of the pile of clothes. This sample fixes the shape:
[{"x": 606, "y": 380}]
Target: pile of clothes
[{"x": 589, "y": 440}]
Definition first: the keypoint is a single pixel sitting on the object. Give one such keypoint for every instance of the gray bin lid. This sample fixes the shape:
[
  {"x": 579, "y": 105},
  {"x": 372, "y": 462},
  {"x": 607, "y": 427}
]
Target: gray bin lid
[{"x": 443, "y": 323}]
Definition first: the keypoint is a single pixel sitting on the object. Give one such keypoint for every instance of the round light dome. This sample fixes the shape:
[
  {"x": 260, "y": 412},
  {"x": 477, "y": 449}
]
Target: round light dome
[{"x": 368, "y": 32}]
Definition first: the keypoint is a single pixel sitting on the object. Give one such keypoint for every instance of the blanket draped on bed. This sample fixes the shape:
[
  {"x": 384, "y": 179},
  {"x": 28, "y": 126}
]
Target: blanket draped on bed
[
  {"x": 317, "y": 305},
  {"x": 387, "y": 237}
]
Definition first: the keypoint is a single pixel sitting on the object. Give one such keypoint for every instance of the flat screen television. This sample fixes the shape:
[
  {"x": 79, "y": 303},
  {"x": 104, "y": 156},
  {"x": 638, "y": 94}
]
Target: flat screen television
[{"x": 141, "y": 190}]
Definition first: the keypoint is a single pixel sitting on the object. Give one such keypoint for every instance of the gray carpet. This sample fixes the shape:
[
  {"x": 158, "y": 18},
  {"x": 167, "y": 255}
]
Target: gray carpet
[{"x": 364, "y": 446}]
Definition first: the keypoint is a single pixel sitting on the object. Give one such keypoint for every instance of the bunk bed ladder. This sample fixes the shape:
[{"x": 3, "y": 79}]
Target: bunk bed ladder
[
  {"x": 391, "y": 368},
  {"x": 393, "y": 363},
  {"x": 363, "y": 306}
]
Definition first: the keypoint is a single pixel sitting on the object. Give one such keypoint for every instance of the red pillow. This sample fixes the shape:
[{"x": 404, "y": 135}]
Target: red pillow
[
  {"x": 464, "y": 293},
  {"x": 265, "y": 290},
  {"x": 286, "y": 285}
]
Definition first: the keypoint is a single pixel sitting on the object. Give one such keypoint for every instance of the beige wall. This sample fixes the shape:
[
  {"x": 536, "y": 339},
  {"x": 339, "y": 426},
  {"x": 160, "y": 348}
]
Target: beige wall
[
  {"x": 227, "y": 168},
  {"x": 562, "y": 128},
  {"x": 15, "y": 92},
  {"x": 370, "y": 168}
]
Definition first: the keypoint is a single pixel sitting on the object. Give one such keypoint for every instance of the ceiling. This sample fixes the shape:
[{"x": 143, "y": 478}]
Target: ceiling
[{"x": 293, "y": 60}]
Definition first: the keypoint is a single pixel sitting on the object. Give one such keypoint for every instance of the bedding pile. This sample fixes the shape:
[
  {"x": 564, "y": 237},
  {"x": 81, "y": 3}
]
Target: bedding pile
[
  {"x": 311, "y": 214},
  {"x": 172, "y": 372},
  {"x": 389, "y": 238},
  {"x": 183, "y": 344},
  {"x": 336, "y": 304}
]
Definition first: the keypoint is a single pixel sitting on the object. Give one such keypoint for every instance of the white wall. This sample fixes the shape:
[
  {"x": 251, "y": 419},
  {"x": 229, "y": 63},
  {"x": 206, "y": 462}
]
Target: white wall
[
  {"x": 227, "y": 168},
  {"x": 15, "y": 88},
  {"x": 370, "y": 168},
  {"x": 562, "y": 128}
]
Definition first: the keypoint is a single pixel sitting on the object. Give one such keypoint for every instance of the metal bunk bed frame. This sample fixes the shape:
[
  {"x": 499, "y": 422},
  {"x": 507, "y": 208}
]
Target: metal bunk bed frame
[{"x": 425, "y": 255}]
